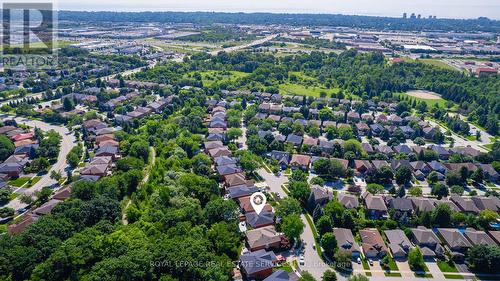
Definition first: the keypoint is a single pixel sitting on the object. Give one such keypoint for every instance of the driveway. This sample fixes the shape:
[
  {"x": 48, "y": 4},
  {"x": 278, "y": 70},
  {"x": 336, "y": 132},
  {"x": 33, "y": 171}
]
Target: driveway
[
  {"x": 404, "y": 269},
  {"x": 68, "y": 141},
  {"x": 434, "y": 270},
  {"x": 376, "y": 269}
]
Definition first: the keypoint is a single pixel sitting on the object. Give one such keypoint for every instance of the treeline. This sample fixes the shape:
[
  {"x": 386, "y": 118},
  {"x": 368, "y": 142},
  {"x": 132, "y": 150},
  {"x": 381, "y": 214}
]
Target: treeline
[
  {"x": 366, "y": 75},
  {"x": 179, "y": 227},
  {"x": 381, "y": 23}
]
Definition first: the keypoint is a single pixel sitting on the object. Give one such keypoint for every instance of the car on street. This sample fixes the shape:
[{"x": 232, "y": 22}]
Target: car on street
[
  {"x": 370, "y": 261},
  {"x": 358, "y": 260},
  {"x": 301, "y": 260}
]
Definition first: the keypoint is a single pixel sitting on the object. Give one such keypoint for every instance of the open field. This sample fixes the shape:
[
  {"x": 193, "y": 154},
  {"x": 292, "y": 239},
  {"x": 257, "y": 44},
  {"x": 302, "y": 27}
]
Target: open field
[
  {"x": 437, "y": 63},
  {"x": 428, "y": 97},
  {"x": 301, "y": 90},
  {"x": 210, "y": 78}
]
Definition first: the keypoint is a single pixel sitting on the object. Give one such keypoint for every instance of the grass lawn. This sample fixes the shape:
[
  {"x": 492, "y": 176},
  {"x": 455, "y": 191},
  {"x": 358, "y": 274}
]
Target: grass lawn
[
  {"x": 285, "y": 266},
  {"x": 446, "y": 266},
  {"x": 19, "y": 181},
  {"x": 33, "y": 181},
  {"x": 471, "y": 138},
  {"x": 57, "y": 44},
  {"x": 392, "y": 264},
  {"x": 437, "y": 63},
  {"x": 3, "y": 228},
  {"x": 430, "y": 102},
  {"x": 212, "y": 77},
  {"x": 366, "y": 266},
  {"x": 285, "y": 189},
  {"x": 453, "y": 276},
  {"x": 392, "y": 274},
  {"x": 301, "y": 90}
]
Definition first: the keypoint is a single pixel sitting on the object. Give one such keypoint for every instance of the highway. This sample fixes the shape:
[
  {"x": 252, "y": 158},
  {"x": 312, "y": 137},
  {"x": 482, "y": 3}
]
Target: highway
[{"x": 245, "y": 46}]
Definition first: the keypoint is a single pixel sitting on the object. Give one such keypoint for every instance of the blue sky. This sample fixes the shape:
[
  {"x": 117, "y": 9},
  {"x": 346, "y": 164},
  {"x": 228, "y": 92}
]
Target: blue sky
[{"x": 440, "y": 8}]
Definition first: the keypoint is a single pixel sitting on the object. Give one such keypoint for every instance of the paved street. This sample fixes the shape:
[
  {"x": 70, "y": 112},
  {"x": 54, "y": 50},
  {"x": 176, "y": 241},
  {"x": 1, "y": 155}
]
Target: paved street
[
  {"x": 313, "y": 262},
  {"x": 67, "y": 143},
  {"x": 460, "y": 142}
]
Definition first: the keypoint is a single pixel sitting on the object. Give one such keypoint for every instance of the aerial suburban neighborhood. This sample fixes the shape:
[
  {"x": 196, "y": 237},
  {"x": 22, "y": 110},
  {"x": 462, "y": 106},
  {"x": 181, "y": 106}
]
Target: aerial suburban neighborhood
[{"x": 240, "y": 146}]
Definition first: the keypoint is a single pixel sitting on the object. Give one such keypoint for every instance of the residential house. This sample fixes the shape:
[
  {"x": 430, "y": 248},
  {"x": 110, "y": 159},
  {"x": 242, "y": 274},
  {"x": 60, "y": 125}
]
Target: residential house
[
  {"x": 487, "y": 203},
  {"x": 212, "y": 144},
  {"x": 403, "y": 207},
  {"x": 377, "y": 164},
  {"x": 477, "y": 237},
  {"x": 282, "y": 157},
  {"x": 372, "y": 243},
  {"x": 282, "y": 275},
  {"x": 362, "y": 166},
  {"x": 427, "y": 240},
  {"x": 225, "y": 160},
  {"x": 294, "y": 139},
  {"x": 465, "y": 205},
  {"x": 399, "y": 244},
  {"x": 368, "y": 148},
  {"x": 456, "y": 243},
  {"x": 264, "y": 238},
  {"x": 422, "y": 204},
  {"x": 348, "y": 201},
  {"x": 247, "y": 207},
  {"x": 495, "y": 235},
  {"x": 346, "y": 242},
  {"x": 319, "y": 196},
  {"x": 375, "y": 205},
  {"x": 219, "y": 151},
  {"x": 13, "y": 170},
  {"x": 300, "y": 161},
  {"x": 107, "y": 151},
  {"x": 258, "y": 264},
  {"x": 235, "y": 179},
  {"x": 264, "y": 218},
  {"x": 243, "y": 190}
]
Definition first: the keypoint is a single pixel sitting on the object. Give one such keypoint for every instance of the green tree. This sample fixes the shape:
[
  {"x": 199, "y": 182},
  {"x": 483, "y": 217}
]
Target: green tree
[
  {"x": 288, "y": 206},
  {"x": 292, "y": 226},
  {"x": 374, "y": 188},
  {"x": 234, "y": 133},
  {"x": 306, "y": 276},
  {"x": 416, "y": 259},
  {"x": 441, "y": 215},
  {"x": 324, "y": 225},
  {"x": 403, "y": 175},
  {"x": 440, "y": 190},
  {"x": 329, "y": 244},
  {"x": 299, "y": 190},
  {"x": 6, "y": 148},
  {"x": 329, "y": 275}
]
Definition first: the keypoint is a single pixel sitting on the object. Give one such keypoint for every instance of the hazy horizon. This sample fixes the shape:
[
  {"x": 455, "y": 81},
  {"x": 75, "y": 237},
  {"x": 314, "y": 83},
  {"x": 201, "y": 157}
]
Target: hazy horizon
[{"x": 391, "y": 8}]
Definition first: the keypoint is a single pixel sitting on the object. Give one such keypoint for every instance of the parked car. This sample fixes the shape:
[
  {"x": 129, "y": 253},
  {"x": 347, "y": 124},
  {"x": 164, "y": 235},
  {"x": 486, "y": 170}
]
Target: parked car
[
  {"x": 358, "y": 260},
  {"x": 370, "y": 261},
  {"x": 301, "y": 260}
]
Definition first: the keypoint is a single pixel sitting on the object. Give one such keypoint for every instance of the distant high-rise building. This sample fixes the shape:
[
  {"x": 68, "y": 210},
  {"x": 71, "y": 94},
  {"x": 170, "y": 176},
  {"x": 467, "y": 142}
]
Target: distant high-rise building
[
  {"x": 419, "y": 16},
  {"x": 434, "y": 17},
  {"x": 430, "y": 16},
  {"x": 412, "y": 16},
  {"x": 404, "y": 15}
]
